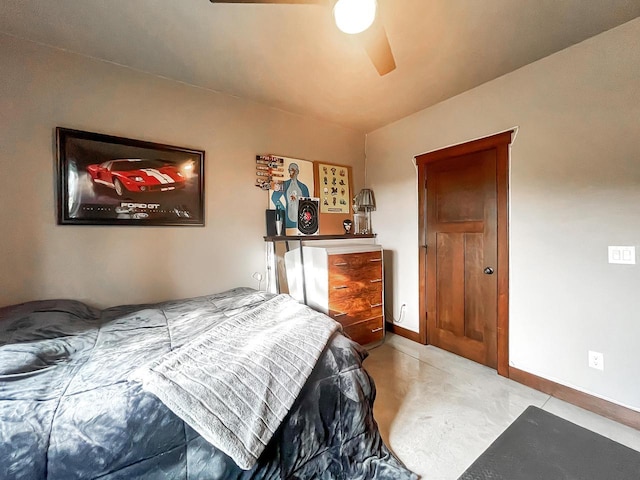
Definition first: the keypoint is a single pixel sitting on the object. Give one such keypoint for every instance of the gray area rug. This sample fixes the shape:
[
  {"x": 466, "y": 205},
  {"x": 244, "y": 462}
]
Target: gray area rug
[{"x": 541, "y": 446}]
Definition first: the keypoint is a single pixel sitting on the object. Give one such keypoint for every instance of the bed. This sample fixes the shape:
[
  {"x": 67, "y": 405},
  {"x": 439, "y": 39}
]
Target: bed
[{"x": 163, "y": 391}]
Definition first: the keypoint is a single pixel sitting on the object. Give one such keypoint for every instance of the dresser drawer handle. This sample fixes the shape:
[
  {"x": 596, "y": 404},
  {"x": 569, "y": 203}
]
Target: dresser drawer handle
[
  {"x": 376, "y": 305},
  {"x": 375, "y": 260},
  {"x": 377, "y": 330},
  {"x": 336, "y": 315},
  {"x": 378, "y": 280},
  {"x": 342, "y": 264},
  {"x": 341, "y": 287}
]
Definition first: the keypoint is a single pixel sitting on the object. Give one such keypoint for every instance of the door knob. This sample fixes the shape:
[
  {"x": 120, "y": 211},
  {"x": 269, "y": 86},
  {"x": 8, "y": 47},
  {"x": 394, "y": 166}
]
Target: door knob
[{"x": 488, "y": 270}]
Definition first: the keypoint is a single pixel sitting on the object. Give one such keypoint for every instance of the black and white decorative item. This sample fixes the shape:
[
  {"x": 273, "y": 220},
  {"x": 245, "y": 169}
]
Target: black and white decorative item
[
  {"x": 308, "y": 209},
  {"x": 279, "y": 221}
]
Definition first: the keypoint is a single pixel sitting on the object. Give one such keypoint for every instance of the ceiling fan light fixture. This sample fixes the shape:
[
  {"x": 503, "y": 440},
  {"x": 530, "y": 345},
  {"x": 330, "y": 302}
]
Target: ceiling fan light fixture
[{"x": 354, "y": 16}]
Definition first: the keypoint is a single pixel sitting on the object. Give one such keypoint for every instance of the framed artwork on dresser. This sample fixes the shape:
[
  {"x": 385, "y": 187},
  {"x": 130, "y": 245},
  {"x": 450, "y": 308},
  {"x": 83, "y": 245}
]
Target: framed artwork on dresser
[
  {"x": 109, "y": 180},
  {"x": 334, "y": 187}
]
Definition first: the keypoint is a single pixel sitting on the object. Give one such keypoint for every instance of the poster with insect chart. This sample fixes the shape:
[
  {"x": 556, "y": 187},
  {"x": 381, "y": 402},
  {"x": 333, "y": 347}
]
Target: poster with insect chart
[{"x": 335, "y": 190}]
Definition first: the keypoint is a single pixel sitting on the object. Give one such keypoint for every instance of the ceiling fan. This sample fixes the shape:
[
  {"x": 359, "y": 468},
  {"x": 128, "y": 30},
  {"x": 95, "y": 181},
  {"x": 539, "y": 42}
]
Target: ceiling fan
[{"x": 356, "y": 17}]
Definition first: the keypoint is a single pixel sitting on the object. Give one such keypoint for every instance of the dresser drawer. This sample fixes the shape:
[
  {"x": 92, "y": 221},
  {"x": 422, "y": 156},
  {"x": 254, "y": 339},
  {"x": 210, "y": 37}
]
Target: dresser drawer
[
  {"x": 338, "y": 261},
  {"x": 366, "y": 332},
  {"x": 351, "y": 305},
  {"x": 355, "y": 267},
  {"x": 367, "y": 291},
  {"x": 348, "y": 317}
]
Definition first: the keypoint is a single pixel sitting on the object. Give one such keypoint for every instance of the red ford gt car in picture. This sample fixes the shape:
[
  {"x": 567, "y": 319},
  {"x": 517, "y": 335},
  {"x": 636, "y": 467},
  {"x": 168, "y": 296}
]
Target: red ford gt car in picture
[{"x": 135, "y": 175}]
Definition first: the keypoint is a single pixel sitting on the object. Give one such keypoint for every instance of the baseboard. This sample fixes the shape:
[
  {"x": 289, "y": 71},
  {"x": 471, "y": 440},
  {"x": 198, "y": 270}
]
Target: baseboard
[
  {"x": 403, "y": 332},
  {"x": 597, "y": 405}
]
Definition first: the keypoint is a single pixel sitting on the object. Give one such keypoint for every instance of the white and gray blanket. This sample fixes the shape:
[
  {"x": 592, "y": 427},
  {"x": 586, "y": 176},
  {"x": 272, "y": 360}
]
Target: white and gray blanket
[{"x": 235, "y": 383}]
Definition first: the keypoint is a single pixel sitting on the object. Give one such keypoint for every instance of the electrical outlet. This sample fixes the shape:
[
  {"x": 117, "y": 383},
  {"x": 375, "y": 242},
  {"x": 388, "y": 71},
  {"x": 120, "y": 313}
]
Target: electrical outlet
[{"x": 596, "y": 360}]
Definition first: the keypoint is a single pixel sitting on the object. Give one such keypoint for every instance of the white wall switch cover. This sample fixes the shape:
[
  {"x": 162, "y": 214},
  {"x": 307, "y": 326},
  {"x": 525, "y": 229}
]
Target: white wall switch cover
[{"x": 624, "y": 255}]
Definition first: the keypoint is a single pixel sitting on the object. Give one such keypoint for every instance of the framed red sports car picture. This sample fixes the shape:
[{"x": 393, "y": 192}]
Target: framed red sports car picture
[{"x": 108, "y": 180}]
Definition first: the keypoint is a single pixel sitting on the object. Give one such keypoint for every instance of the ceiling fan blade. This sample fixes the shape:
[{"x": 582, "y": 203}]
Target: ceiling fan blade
[
  {"x": 374, "y": 39},
  {"x": 290, "y": 2},
  {"x": 376, "y": 44}
]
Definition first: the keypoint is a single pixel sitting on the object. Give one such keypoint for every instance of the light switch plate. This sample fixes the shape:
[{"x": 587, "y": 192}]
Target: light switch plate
[{"x": 624, "y": 255}]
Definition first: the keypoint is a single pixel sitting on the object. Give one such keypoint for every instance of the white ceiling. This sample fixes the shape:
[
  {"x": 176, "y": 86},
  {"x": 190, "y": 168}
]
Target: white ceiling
[{"x": 292, "y": 57}]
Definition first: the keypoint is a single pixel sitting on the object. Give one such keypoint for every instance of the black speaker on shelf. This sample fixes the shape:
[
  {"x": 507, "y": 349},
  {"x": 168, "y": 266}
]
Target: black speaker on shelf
[{"x": 270, "y": 218}]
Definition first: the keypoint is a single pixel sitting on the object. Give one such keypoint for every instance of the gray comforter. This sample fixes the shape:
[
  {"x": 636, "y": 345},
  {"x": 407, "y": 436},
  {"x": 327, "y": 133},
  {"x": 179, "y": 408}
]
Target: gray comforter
[{"x": 69, "y": 409}]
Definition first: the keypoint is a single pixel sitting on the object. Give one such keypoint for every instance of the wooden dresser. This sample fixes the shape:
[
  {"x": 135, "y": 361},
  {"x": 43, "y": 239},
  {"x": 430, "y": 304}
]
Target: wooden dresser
[{"x": 346, "y": 282}]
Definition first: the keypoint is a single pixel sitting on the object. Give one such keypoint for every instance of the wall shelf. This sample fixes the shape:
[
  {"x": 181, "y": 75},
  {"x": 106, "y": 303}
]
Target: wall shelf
[{"x": 305, "y": 238}]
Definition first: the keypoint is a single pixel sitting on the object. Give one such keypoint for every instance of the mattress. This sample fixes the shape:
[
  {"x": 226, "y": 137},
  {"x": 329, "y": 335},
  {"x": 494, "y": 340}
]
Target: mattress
[{"x": 70, "y": 406}]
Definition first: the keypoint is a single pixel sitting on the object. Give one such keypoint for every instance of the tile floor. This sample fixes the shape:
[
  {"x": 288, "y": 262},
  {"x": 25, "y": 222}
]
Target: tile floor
[{"x": 438, "y": 412}]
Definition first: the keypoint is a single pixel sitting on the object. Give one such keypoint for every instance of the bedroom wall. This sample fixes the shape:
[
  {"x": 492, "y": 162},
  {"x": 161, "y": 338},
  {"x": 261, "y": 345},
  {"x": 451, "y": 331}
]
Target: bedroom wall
[
  {"x": 575, "y": 189},
  {"x": 41, "y": 88}
]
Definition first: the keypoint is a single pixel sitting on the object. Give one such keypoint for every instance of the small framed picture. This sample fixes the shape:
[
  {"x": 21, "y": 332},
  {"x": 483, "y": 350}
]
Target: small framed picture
[
  {"x": 334, "y": 187},
  {"x": 108, "y": 180}
]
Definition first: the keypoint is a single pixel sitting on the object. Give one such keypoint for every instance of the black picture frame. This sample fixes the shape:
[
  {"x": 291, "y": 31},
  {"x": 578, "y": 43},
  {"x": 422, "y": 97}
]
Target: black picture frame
[{"x": 110, "y": 180}]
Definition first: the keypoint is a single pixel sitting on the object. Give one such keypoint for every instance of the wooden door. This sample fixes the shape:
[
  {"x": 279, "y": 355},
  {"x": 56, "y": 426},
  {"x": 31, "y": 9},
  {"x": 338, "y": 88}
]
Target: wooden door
[{"x": 464, "y": 254}]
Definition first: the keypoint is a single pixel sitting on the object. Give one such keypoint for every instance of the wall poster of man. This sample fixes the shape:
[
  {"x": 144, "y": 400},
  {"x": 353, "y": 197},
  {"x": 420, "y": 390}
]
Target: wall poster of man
[{"x": 299, "y": 183}]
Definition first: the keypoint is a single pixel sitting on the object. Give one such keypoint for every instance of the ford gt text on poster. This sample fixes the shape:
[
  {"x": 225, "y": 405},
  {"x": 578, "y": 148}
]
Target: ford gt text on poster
[{"x": 134, "y": 175}]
